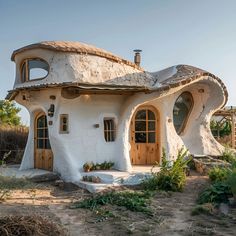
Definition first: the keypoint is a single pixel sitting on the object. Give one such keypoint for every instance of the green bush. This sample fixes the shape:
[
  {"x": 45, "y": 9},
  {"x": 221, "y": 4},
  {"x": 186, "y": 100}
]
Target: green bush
[
  {"x": 228, "y": 155},
  {"x": 218, "y": 174},
  {"x": 215, "y": 193},
  {"x": 171, "y": 177},
  {"x": 231, "y": 181}
]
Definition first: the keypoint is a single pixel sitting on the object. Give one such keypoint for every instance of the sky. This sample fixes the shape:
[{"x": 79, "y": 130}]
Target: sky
[{"x": 200, "y": 33}]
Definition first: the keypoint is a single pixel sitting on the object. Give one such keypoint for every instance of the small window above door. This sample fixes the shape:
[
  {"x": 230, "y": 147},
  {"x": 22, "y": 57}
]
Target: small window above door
[{"x": 34, "y": 69}]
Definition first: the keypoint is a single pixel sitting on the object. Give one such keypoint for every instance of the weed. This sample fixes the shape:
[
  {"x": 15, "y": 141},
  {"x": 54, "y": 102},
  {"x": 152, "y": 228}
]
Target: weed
[
  {"x": 14, "y": 183},
  {"x": 207, "y": 209},
  {"x": 135, "y": 201}
]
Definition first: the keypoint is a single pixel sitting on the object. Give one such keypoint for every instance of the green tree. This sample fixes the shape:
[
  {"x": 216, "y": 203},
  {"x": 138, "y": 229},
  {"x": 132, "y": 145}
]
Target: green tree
[{"x": 9, "y": 113}]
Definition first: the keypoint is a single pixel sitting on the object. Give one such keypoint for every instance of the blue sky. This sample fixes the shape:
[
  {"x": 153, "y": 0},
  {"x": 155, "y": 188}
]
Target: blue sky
[{"x": 199, "y": 33}]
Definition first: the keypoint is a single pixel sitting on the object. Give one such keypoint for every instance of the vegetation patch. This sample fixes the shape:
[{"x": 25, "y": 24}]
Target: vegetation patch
[
  {"x": 207, "y": 209},
  {"x": 172, "y": 176},
  {"x": 10, "y": 183},
  {"x": 137, "y": 201},
  {"x": 218, "y": 174},
  {"x": 90, "y": 166}
]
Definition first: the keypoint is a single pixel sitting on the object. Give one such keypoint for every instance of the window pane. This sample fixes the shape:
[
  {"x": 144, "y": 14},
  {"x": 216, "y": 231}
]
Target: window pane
[
  {"x": 182, "y": 110},
  {"x": 40, "y": 143},
  {"x": 140, "y": 125},
  {"x": 151, "y": 115},
  {"x": 38, "y": 69},
  {"x": 140, "y": 138},
  {"x": 47, "y": 144},
  {"x": 151, "y": 137},
  {"x": 109, "y": 130},
  {"x": 41, "y": 122},
  {"x": 151, "y": 125},
  {"x": 23, "y": 72},
  {"x": 46, "y": 133},
  {"x": 141, "y": 115},
  {"x": 40, "y": 133}
]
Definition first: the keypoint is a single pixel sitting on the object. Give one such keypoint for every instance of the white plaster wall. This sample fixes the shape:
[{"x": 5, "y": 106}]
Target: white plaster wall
[
  {"x": 74, "y": 67},
  {"x": 84, "y": 142}
]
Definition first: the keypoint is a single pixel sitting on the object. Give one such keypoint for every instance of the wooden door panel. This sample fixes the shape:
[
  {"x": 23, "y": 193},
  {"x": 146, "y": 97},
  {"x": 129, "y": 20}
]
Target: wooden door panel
[
  {"x": 43, "y": 154},
  {"x": 145, "y": 152}
]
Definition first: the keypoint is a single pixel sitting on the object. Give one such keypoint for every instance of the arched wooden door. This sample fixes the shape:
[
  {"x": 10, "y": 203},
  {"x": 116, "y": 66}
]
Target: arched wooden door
[
  {"x": 43, "y": 157},
  {"x": 145, "y": 134}
]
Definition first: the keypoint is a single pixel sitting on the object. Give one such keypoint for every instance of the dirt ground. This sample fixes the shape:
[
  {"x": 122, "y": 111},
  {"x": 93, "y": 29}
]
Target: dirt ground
[{"x": 172, "y": 212}]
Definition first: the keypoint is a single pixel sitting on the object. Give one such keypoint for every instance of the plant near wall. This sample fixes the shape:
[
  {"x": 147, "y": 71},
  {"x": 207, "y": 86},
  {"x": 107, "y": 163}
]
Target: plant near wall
[
  {"x": 172, "y": 176},
  {"x": 90, "y": 166}
]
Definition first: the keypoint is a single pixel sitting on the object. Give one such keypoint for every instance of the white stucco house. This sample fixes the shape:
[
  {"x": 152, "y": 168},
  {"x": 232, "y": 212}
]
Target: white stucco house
[{"x": 87, "y": 104}]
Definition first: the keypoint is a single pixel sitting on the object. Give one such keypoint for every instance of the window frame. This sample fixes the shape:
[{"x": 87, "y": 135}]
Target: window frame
[
  {"x": 184, "y": 124},
  {"x": 61, "y": 131},
  {"x": 25, "y": 61},
  {"x": 109, "y": 134},
  {"x": 147, "y": 131}
]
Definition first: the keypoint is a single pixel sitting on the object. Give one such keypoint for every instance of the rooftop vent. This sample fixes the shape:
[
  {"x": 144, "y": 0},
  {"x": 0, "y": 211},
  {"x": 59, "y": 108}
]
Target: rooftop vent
[{"x": 137, "y": 57}]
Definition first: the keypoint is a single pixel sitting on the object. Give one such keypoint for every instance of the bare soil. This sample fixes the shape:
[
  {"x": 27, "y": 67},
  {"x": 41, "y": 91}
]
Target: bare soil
[{"x": 172, "y": 212}]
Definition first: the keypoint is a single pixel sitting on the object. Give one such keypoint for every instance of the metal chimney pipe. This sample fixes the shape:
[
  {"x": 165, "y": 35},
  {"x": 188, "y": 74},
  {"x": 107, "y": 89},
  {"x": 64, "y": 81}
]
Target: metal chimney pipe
[{"x": 137, "y": 57}]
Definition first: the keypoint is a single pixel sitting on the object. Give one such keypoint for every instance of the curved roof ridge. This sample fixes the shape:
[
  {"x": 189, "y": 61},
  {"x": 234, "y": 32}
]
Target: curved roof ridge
[{"x": 75, "y": 47}]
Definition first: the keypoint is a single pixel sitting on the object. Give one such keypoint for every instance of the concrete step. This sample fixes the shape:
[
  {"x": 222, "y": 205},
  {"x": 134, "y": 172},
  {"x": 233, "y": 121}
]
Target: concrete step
[{"x": 111, "y": 179}]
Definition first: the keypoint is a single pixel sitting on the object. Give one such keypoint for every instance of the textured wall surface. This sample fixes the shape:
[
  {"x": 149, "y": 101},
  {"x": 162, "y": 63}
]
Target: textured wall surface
[{"x": 84, "y": 142}]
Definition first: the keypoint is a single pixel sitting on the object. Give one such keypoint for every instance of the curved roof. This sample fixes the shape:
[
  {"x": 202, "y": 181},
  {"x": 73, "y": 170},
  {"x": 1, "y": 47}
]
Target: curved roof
[
  {"x": 164, "y": 80},
  {"x": 74, "y": 47}
]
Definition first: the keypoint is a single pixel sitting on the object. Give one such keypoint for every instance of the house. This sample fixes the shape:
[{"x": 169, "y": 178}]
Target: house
[{"x": 87, "y": 104}]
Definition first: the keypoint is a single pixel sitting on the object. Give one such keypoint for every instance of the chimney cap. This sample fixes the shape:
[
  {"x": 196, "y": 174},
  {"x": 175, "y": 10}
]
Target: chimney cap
[{"x": 137, "y": 50}]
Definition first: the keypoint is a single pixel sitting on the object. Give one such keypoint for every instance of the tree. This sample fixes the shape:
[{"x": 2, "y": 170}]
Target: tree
[{"x": 9, "y": 113}]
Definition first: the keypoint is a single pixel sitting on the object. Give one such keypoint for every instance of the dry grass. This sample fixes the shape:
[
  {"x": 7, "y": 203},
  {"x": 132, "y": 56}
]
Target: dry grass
[
  {"x": 28, "y": 226},
  {"x": 13, "y": 138}
]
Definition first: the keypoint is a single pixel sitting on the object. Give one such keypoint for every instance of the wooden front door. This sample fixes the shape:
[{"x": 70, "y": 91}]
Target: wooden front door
[
  {"x": 144, "y": 137},
  {"x": 43, "y": 158}
]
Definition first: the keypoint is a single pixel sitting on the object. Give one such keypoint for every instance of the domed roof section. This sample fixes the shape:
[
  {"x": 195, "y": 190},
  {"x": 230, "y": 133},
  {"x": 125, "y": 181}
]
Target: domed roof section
[{"x": 74, "y": 47}]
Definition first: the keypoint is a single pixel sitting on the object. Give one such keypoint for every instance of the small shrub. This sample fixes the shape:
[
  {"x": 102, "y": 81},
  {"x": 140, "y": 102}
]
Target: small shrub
[
  {"x": 218, "y": 174},
  {"x": 171, "y": 177},
  {"x": 207, "y": 209},
  {"x": 89, "y": 166},
  {"x": 231, "y": 181},
  {"x": 228, "y": 155},
  {"x": 133, "y": 201},
  {"x": 216, "y": 193}
]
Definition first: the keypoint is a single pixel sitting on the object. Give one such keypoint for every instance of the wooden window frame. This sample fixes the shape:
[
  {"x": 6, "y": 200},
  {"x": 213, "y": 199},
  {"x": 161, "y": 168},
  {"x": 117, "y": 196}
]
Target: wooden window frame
[
  {"x": 26, "y": 62},
  {"x": 45, "y": 138},
  {"x": 109, "y": 133},
  {"x": 147, "y": 131},
  {"x": 61, "y": 131}
]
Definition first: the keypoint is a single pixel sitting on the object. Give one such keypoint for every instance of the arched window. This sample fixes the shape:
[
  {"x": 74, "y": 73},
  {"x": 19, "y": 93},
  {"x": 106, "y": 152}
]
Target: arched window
[
  {"x": 33, "y": 69},
  {"x": 182, "y": 109}
]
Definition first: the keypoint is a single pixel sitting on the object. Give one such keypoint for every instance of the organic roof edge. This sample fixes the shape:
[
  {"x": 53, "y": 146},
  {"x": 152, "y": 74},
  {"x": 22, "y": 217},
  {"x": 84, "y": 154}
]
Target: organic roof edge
[{"x": 75, "y": 47}]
